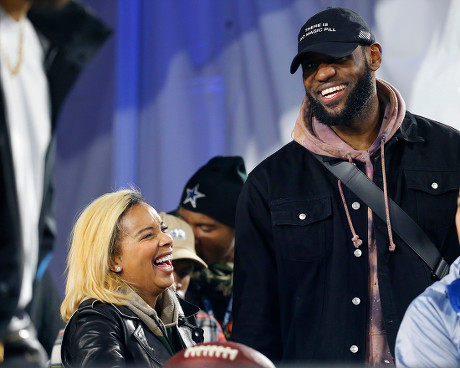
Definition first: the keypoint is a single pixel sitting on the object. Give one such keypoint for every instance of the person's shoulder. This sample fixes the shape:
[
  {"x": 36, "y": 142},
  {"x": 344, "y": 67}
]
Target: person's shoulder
[
  {"x": 93, "y": 308},
  {"x": 98, "y": 316},
  {"x": 429, "y": 323},
  {"x": 282, "y": 159},
  {"x": 425, "y": 124},
  {"x": 442, "y": 292},
  {"x": 288, "y": 150},
  {"x": 93, "y": 304},
  {"x": 435, "y": 295}
]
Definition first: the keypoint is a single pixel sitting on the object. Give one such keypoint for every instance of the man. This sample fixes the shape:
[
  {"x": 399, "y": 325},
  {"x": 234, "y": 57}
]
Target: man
[
  {"x": 208, "y": 204},
  {"x": 319, "y": 277},
  {"x": 42, "y": 51}
]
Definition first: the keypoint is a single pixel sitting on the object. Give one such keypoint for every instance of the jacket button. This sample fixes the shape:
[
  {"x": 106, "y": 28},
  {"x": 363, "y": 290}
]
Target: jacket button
[
  {"x": 302, "y": 216},
  {"x": 434, "y": 185},
  {"x": 356, "y": 301},
  {"x": 355, "y": 205},
  {"x": 354, "y": 349},
  {"x": 358, "y": 253}
]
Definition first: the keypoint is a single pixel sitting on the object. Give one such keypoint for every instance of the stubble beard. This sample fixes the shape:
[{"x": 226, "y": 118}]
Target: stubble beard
[{"x": 358, "y": 97}]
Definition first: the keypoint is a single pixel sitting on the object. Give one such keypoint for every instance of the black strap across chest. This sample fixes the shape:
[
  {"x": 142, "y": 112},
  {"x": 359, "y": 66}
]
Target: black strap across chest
[{"x": 407, "y": 229}]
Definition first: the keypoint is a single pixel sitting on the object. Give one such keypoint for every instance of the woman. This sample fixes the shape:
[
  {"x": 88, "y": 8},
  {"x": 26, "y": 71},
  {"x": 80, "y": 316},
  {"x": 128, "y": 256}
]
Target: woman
[{"x": 120, "y": 302}]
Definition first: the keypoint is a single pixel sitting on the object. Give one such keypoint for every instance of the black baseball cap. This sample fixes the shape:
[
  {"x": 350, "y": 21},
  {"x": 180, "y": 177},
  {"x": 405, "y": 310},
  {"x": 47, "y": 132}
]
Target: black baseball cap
[{"x": 334, "y": 32}]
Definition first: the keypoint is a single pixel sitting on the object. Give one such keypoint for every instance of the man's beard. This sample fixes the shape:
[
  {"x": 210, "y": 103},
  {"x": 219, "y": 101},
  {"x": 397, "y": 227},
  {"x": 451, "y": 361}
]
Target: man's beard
[{"x": 362, "y": 92}]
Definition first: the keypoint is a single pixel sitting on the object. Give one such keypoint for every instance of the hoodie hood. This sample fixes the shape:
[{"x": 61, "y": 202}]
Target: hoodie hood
[{"x": 321, "y": 139}]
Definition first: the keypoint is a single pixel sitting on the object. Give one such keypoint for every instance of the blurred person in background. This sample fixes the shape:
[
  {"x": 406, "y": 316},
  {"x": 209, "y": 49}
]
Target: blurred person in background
[
  {"x": 208, "y": 205},
  {"x": 185, "y": 261},
  {"x": 43, "y": 47},
  {"x": 429, "y": 335}
]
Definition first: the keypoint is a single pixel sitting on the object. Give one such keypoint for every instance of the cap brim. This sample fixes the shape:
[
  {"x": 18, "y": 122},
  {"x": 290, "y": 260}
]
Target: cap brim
[
  {"x": 334, "y": 49},
  {"x": 182, "y": 253}
]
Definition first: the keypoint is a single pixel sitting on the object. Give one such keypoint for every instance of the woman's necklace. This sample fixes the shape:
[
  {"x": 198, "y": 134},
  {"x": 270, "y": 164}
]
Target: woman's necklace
[{"x": 14, "y": 69}]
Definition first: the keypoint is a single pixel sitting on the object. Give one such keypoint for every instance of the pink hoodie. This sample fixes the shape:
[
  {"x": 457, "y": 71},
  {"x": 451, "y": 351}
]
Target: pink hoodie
[{"x": 322, "y": 140}]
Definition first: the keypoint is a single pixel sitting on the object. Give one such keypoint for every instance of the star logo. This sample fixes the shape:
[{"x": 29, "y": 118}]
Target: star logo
[{"x": 192, "y": 195}]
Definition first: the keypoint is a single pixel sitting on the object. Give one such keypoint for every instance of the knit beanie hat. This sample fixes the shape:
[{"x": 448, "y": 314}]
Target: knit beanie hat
[{"x": 214, "y": 189}]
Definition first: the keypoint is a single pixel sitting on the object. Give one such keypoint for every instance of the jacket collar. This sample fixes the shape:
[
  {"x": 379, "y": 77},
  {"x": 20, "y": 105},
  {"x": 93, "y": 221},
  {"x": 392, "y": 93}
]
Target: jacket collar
[
  {"x": 409, "y": 130},
  {"x": 189, "y": 309}
]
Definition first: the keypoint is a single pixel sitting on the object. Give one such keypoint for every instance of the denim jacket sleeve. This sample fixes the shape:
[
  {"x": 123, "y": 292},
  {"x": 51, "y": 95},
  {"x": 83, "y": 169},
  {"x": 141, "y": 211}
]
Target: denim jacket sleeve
[{"x": 254, "y": 302}]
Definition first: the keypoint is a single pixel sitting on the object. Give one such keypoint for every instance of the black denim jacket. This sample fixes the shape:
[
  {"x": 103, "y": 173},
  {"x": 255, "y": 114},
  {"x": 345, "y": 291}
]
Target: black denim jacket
[{"x": 295, "y": 263}]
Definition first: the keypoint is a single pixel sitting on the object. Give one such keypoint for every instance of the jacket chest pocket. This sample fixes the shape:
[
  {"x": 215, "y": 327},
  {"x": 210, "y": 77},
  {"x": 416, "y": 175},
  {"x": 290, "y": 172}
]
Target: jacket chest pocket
[
  {"x": 436, "y": 195},
  {"x": 302, "y": 229}
]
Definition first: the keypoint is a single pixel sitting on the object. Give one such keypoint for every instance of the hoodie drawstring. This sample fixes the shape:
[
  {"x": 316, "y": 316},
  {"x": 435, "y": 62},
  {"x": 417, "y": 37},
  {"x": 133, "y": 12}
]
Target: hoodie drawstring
[
  {"x": 355, "y": 239},
  {"x": 392, "y": 246}
]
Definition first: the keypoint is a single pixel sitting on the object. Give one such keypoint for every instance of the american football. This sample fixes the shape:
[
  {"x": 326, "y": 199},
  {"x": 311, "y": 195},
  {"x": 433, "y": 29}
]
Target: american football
[{"x": 219, "y": 354}]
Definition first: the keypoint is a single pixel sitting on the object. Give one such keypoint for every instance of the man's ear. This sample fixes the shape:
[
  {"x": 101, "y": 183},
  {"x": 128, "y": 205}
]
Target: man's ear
[{"x": 375, "y": 56}]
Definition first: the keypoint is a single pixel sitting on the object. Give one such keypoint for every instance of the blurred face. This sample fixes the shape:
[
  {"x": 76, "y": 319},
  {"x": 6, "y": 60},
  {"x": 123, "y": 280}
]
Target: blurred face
[
  {"x": 183, "y": 268},
  {"x": 214, "y": 241},
  {"x": 145, "y": 252}
]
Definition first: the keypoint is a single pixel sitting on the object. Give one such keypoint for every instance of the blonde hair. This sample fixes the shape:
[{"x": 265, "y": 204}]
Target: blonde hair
[{"x": 94, "y": 241}]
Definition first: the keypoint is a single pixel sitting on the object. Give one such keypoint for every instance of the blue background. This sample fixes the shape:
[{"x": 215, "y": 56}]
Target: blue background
[{"x": 181, "y": 81}]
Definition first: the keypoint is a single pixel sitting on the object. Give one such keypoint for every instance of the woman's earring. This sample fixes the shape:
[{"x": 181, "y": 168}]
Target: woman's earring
[{"x": 118, "y": 268}]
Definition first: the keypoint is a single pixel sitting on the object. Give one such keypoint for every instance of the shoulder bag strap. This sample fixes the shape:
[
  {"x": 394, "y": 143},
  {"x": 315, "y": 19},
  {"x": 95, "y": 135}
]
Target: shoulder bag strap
[{"x": 401, "y": 222}]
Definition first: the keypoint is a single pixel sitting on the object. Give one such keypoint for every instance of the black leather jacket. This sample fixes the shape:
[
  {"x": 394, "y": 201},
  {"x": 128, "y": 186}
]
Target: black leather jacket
[{"x": 106, "y": 335}]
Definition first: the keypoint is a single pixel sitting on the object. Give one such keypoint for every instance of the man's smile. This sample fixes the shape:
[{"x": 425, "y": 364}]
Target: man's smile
[{"x": 331, "y": 92}]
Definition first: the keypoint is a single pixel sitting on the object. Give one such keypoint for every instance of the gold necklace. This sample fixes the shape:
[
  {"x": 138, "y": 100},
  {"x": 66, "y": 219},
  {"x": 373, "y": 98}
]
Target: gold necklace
[{"x": 14, "y": 69}]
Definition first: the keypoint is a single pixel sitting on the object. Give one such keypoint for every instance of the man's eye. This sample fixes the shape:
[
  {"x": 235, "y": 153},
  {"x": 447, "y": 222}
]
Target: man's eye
[
  {"x": 310, "y": 66},
  {"x": 206, "y": 229},
  {"x": 164, "y": 229}
]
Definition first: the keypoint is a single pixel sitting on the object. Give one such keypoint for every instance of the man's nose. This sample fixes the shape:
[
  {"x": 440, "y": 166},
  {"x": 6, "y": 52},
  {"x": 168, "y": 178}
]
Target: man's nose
[{"x": 325, "y": 71}]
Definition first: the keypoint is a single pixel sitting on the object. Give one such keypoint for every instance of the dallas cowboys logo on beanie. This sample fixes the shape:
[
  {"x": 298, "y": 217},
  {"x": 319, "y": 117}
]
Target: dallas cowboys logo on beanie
[
  {"x": 335, "y": 32},
  {"x": 214, "y": 189}
]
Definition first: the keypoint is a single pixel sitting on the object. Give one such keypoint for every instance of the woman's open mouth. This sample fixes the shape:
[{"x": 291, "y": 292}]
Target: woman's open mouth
[{"x": 164, "y": 263}]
